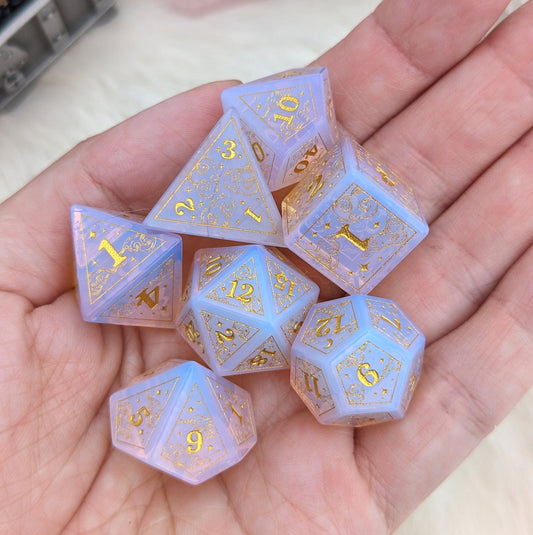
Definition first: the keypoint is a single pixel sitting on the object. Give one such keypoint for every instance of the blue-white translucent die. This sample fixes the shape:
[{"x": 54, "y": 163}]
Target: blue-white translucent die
[
  {"x": 126, "y": 274},
  {"x": 289, "y": 119},
  {"x": 242, "y": 308},
  {"x": 220, "y": 192},
  {"x": 183, "y": 419},
  {"x": 352, "y": 219},
  {"x": 356, "y": 361}
]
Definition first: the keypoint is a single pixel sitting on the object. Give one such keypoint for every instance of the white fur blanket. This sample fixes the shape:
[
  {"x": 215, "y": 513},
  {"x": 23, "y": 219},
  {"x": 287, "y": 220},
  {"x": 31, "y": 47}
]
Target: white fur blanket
[{"x": 147, "y": 51}]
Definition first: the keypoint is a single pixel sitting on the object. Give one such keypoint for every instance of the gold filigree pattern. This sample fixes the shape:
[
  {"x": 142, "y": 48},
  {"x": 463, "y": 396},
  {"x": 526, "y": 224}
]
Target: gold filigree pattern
[
  {"x": 227, "y": 336},
  {"x": 268, "y": 356},
  {"x": 329, "y": 326},
  {"x": 194, "y": 444},
  {"x": 240, "y": 289},
  {"x": 286, "y": 285},
  {"x": 310, "y": 383},
  {"x": 285, "y": 111},
  {"x": 137, "y": 415},
  {"x": 369, "y": 375},
  {"x": 389, "y": 320},
  {"x": 236, "y": 409},
  {"x": 387, "y": 180}
]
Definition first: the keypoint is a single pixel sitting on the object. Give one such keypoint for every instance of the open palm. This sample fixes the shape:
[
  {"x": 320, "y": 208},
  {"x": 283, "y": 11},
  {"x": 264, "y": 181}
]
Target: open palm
[{"x": 454, "y": 117}]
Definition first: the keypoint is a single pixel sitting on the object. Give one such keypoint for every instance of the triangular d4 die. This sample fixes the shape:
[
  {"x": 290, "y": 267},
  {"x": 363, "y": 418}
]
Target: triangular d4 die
[
  {"x": 221, "y": 192},
  {"x": 112, "y": 254},
  {"x": 153, "y": 301}
]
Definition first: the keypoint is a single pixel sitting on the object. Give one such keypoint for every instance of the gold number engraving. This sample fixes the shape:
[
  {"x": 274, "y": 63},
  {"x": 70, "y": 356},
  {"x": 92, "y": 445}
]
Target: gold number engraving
[
  {"x": 228, "y": 337},
  {"x": 258, "y": 151},
  {"x": 344, "y": 232},
  {"x": 195, "y": 441},
  {"x": 281, "y": 283},
  {"x": 367, "y": 376},
  {"x": 239, "y": 416},
  {"x": 252, "y": 215},
  {"x": 385, "y": 177},
  {"x": 117, "y": 258},
  {"x": 302, "y": 164},
  {"x": 285, "y": 107},
  {"x": 192, "y": 332},
  {"x": 138, "y": 420},
  {"x": 247, "y": 289},
  {"x": 394, "y": 322},
  {"x": 259, "y": 360},
  {"x": 230, "y": 153},
  {"x": 149, "y": 298},
  {"x": 308, "y": 386},
  {"x": 213, "y": 266},
  {"x": 188, "y": 205},
  {"x": 315, "y": 186},
  {"x": 322, "y": 325}
]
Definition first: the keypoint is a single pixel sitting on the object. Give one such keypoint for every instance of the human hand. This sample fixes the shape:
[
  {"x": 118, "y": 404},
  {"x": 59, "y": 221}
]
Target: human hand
[{"x": 464, "y": 146}]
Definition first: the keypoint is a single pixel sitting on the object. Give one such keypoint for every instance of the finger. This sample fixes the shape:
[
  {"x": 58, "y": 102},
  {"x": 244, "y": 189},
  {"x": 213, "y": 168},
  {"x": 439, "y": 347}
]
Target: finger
[
  {"x": 398, "y": 52},
  {"x": 469, "y": 248},
  {"x": 126, "y": 168},
  {"x": 472, "y": 379},
  {"x": 452, "y": 133}
]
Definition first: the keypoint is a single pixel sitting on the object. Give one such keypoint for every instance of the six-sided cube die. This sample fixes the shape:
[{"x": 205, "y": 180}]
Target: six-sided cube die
[
  {"x": 243, "y": 306},
  {"x": 183, "y": 419},
  {"x": 357, "y": 360},
  {"x": 126, "y": 274},
  {"x": 352, "y": 219},
  {"x": 289, "y": 119}
]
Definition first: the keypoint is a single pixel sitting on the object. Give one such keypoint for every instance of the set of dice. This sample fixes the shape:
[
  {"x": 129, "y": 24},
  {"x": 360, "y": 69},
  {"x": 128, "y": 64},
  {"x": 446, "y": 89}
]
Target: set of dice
[{"x": 246, "y": 308}]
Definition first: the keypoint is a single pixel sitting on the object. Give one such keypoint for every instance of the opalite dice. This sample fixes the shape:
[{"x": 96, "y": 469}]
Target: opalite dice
[
  {"x": 356, "y": 361},
  {"x": 243, "y": 307},
  {"x": 289, "y": 119},
  {"x": 352, "y": 218},
  {"x": 184, "y": 420},
  {"x": 126, "y": 274},
  {"x": 221, "y": 192}
]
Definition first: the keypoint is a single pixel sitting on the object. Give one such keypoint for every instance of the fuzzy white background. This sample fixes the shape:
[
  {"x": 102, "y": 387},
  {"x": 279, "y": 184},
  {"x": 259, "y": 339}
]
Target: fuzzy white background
[{"x": 146, "y": 51}]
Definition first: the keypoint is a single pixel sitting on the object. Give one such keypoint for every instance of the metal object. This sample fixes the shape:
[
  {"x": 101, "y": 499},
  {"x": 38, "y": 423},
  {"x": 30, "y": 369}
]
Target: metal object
[{"x": 35, "y": 32}]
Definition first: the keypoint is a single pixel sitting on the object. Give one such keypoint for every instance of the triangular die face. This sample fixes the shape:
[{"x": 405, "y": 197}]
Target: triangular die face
[
  {"x": 221, "y": 192},
  {"x": 214, "y": 261},
  {"x": 240, "y": 289},
  {"x": 137, "y": 416},
  {"x": 194, "y": 443},
  {"x": 108, "y": 250},
  {"x": 153, "y": 300},
  {"x": 268, "y": 356},
  {"x": 236, "y": 408},
  {"x": 285, "y": 111},
  {"x": 286, "y": 284},
  {"x": 227, "y": 336},
  {"x": 330, "y": 325},
  {"x": 292, "y": 326}
]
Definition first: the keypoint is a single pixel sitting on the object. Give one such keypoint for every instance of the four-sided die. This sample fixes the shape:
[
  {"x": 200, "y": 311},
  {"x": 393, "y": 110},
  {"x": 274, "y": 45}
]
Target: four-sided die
[{"x": 126, "y": 274}]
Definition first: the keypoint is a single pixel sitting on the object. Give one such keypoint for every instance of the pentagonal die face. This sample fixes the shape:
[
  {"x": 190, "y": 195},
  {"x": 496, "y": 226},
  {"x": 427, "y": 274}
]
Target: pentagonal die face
[
  {"x": 242, "y": 308},
  {"x": 184, "y": 420},
  {"x": 352, "y": 219},
  {"x": 356, "y": 361},
  {"x": 289, "y": 120}
]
